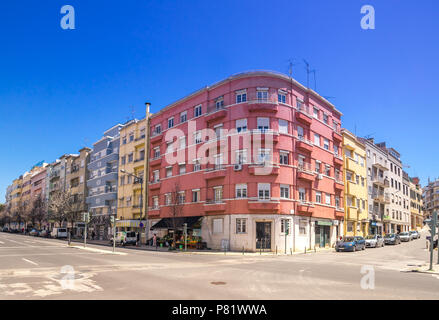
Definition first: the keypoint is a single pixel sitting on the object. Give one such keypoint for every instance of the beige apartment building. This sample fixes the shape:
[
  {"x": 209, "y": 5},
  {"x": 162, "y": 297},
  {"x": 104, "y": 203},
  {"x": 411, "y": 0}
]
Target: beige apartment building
[
  {"x": 132, "y": 164},
  {"x": 416, "y": 204}
]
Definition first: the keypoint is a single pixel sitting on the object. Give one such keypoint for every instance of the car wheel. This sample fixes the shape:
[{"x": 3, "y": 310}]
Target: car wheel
[{"x": 354, "y": 249}]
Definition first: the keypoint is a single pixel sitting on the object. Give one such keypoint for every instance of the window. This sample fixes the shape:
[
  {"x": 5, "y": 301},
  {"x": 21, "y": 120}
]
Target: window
[
  {"x": 241, "y": 125},
  {"x": 241, "y": 96},
  {"x": 196, "y": 195},
  {"x": 182, "y": 142},
  {"x": 156, "y": 174},
  {"x": 281, "y": 97},
  {"x": 218, "y": 131},
  {"x": 285, "y": 226},
  {"x": 131, "y": 137},
  {"x": 183, "y": 116},
  {"x": 325, "y": 144},
  {"x": 217, "y": 225},
  {"x": 264, "y": 191},
  {"x": 327, "y": 199},
  {"x": 315, "y": 112},
  {"x": 263, "y": 124},
  {"x": 158, "y": 129},
  {"x": 283, "y": 157},
  {"x": 327, "y": 170},
  {"x": 264, "y": 156},
  {"x": 335, "y": 149},
  {"x": 219, "y": 103},
  {"x": 170, "y": 122},
  {"x": 284, "y": 191},
  {"x": 316, "y": 139},
  {"x": 169, "y": 172},
  {"x": 283, "y": 126},
  {"x": 337, "y": 201},
  {"x": 155, "y": 202},
  {"x": 181, "y": 197},
  {"x": 197, "y": 137},
  {"x": 182, "y": 168},
  {"x": 241, "y": 156},
  {"x": 218, "y": 192},
  {"x": 218, "y": 161},
  {"x": 318, "y": 165},
  {"x": 156, "y": 152},
  {"x": 241, "y": 225},
  {"x": 130, "y": 157},
  {"x": 262, "y": 95},
  {"x": 124, "y": 140},
  {"x": 303, "y": 226},
  {"x": 168, "y": 199},
  {"x": 300, "y": 132},
  {"x": 197, "y": 165},
  {"x": 318, "y": 197},
  {"x": 169, "y": 147},
  {"x": 302, "y": 194},
  {"x": 241, "y": 191},
  {"x": 325, "y": 118},
  {"x": 197, "y": 111},
  {"x": 123, "y": 160}
]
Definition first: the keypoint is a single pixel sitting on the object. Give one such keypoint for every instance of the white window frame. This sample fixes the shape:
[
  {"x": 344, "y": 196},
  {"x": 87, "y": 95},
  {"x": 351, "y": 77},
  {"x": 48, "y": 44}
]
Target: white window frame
[
  {"x": 265, "y": 188},
  {"x": 241, "y": 191}
]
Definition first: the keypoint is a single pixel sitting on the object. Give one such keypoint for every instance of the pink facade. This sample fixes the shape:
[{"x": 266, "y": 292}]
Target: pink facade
[
  {"x": 288, "y": 126},
  {"x": 38, "y": 184}
]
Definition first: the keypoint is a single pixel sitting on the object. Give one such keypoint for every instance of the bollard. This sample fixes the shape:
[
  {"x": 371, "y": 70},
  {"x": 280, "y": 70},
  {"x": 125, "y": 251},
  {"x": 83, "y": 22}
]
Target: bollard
[
  {"x": 276, "y": 250},
  {"x": 305, "y": 249},
  {"x": 291, "y": 251},
  {"x": 242, "y": 250},
  {"x": 315, "y": 249}
]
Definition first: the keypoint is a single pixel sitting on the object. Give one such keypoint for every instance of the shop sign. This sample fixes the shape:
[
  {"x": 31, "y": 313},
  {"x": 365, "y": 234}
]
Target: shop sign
[
  {"x": 324, "y": 223},
  {"x": 196, "y": 232}
]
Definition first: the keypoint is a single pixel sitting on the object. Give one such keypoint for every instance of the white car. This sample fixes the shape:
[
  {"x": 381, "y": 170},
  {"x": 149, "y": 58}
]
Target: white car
[
  {"x": 125, "y": 238},
  {"x": 59, "y": 233},
  {"x": 405, "y": 236}
]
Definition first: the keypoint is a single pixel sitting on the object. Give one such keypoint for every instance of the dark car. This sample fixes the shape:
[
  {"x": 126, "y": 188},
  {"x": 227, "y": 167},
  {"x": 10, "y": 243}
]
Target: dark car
[
  {"x": 392, "y": 238},
  {"x": 350, "y": 244},
  {"x": 5, "y": 229}
]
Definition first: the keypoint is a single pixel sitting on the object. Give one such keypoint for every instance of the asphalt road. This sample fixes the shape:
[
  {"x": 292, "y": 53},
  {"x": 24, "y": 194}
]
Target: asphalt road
[{"x": 37, "y": 268}]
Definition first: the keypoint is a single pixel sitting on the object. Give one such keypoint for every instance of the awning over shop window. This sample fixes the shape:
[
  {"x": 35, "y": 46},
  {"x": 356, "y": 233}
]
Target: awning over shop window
[{"x": 168, "y": 223}]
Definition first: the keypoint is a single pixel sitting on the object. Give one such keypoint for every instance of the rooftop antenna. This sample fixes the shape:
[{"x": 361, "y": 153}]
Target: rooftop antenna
[
  {"x": 315, "y": 81},
  {"x": 369, "y": 136},
  {"x": 307, "y": 73},
  {"x": 291, "y": 64},
  {"x": 132, "y": 112}
]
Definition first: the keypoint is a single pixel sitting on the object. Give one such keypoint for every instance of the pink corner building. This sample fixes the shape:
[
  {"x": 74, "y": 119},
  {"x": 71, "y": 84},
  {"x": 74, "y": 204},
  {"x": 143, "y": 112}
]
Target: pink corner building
[{"x": 250, "y": 163}]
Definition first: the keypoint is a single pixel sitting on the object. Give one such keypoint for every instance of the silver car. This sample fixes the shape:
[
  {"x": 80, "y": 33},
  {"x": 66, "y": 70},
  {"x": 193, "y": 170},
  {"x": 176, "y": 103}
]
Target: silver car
[
  {"x": 415, "y": 234},
  {"x": 405, "y": 236},
  {"x": 374, "y": 241}
]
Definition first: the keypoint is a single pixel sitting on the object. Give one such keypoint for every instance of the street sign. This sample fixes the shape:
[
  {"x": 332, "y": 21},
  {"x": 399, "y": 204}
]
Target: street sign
[
  {"x": 112, "y": 220},
  {"x": 141, "y": 224}
]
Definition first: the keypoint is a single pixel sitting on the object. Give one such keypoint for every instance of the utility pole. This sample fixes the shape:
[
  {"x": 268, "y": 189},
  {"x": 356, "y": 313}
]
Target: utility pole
[
  {"x": 433, "y": 224},
  {"x": 147, "y": 156}
]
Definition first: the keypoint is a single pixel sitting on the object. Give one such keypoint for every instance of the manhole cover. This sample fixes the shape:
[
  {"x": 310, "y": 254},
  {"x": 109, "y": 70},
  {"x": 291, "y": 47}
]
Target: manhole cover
[{"x": 218, "y": 283}]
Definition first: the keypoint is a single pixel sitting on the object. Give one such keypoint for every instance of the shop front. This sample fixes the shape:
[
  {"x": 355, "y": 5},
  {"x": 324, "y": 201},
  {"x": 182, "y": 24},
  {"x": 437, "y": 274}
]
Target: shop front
[
  {"x": 375, "y": 227},
  {"x": 323, "y": 233},
  {"x": 168, "y": 229}
]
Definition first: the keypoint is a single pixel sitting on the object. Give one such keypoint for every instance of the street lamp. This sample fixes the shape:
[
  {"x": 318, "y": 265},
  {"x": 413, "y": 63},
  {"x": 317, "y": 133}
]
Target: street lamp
[{"x": 140, "y": 180}]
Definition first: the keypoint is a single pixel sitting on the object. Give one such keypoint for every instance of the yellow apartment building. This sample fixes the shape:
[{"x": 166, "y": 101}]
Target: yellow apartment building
[
  {"x": 132, "y": 164},
  {"x": 355, "y": 181},
  {"x": 416, "y": 204}
]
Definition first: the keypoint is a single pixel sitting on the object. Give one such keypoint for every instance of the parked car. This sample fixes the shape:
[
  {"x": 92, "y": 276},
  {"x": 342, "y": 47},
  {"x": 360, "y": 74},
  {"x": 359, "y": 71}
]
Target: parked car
[
  {"x": 124, "y": 238},
  {"x": 44, "y": 233},
  {"x": 34, "y": 232},
  {"x": 374, "y": 241},
  {"x": 5, "y": 229},
  {"x": 59, "y": 233},
  {"x": 14, "y": 231},
  {"x": 392, "y": 238},
  {"x": 415, "y": 234},
  {"x": 349, "y": 243},
  {"x": 405, "y": 237}
]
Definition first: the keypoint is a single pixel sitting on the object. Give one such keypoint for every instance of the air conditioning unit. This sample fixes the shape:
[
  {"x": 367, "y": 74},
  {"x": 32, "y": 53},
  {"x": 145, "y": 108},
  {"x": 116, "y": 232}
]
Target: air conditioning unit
[
  {"x": 237, "y": 167},
  {"x": 320, "y": 176}
]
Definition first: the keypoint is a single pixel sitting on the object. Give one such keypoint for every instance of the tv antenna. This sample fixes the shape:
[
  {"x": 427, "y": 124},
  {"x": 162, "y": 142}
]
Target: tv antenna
[
  {"x": 308, "y": 71},
  {"x": 291, "y": 64},
  {"x": 369, "y": 136}
]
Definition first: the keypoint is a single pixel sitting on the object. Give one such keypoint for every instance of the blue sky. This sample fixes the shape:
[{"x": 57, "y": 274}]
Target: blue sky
[{"x": 60, "y": 89}]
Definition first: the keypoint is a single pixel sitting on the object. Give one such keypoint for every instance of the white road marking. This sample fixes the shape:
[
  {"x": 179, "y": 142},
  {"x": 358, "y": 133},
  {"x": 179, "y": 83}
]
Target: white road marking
[
  {"x": 1, "y": 242},
  {"x": 34, "y": 263}
]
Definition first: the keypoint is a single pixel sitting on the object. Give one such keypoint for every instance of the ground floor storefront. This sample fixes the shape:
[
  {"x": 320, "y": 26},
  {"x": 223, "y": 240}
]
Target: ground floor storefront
[{"x": 249, "y": 232}]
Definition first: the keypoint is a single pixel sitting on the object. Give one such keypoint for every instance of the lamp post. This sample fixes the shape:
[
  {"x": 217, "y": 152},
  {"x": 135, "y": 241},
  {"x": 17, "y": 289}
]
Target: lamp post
[{"x": 140, "y": 180}]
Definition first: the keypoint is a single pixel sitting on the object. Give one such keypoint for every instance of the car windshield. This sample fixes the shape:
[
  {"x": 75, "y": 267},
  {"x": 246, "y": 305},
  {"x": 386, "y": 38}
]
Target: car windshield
[
  {"x": 61, "y": 230},
  {"x": 404, "y": 234},
  {"x": 389, "y": 235},
  {"x": 370, "y": 237},
  {"x": 348, "y": 239},
  {"x": 131, "y": 234}
]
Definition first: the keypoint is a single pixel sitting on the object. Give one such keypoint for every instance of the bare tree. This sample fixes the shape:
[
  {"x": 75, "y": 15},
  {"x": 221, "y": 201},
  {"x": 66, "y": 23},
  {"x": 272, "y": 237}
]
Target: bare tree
[
  {"x": 18, "y": 215},
  {"x": 59, "y": 206},
  {"x": 39, "y": 211},
  {"x": 177, "y": 202},
  {"x": 76, "y": 206}
]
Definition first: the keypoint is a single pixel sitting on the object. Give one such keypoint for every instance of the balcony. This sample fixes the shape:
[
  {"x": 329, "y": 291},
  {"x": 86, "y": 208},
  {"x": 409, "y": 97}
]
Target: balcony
[
  {"x": 338, "y": 160},
  {"x": 264, "y": 135},
  {"x": 381, "y": 197},
  {"x": 215, "y": 113},
  {"x": 265, "y": 206},
  {"x": 352, "y": 165},
  {"x": 303, "y": 116},
  {"x": 337, "y": 136},
  {"x": 156, "y": 138},
  {"x": 352, "y": 213},
  {"x": 263, "y": 170},
  {"x": 155, "y": 161},
  {"x": 305, "y": 208},
  {"x": 338, "y": 184},
  {"x": 304, "y": 172},
  {"x": 214, "y": 206},
  {"x": 355, "y": 189},
  {"x": 304, "y": 145},
  {"x": 155, "y": 185},
  {"x": 381, "y": 181},
  {"x": 216, "y": 172},
  {"x": 379, "y": 165},
  {"x": 263, "y": 105},
  {"x": 386, "y": 218}
]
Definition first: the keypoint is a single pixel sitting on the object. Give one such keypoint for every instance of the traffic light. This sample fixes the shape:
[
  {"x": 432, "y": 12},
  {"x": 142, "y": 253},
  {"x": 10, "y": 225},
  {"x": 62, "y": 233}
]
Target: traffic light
[
  {"x": 433, "y": 224},
  {"x": 112, "y": 220},
  {"x": 86, "y": 217}
]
